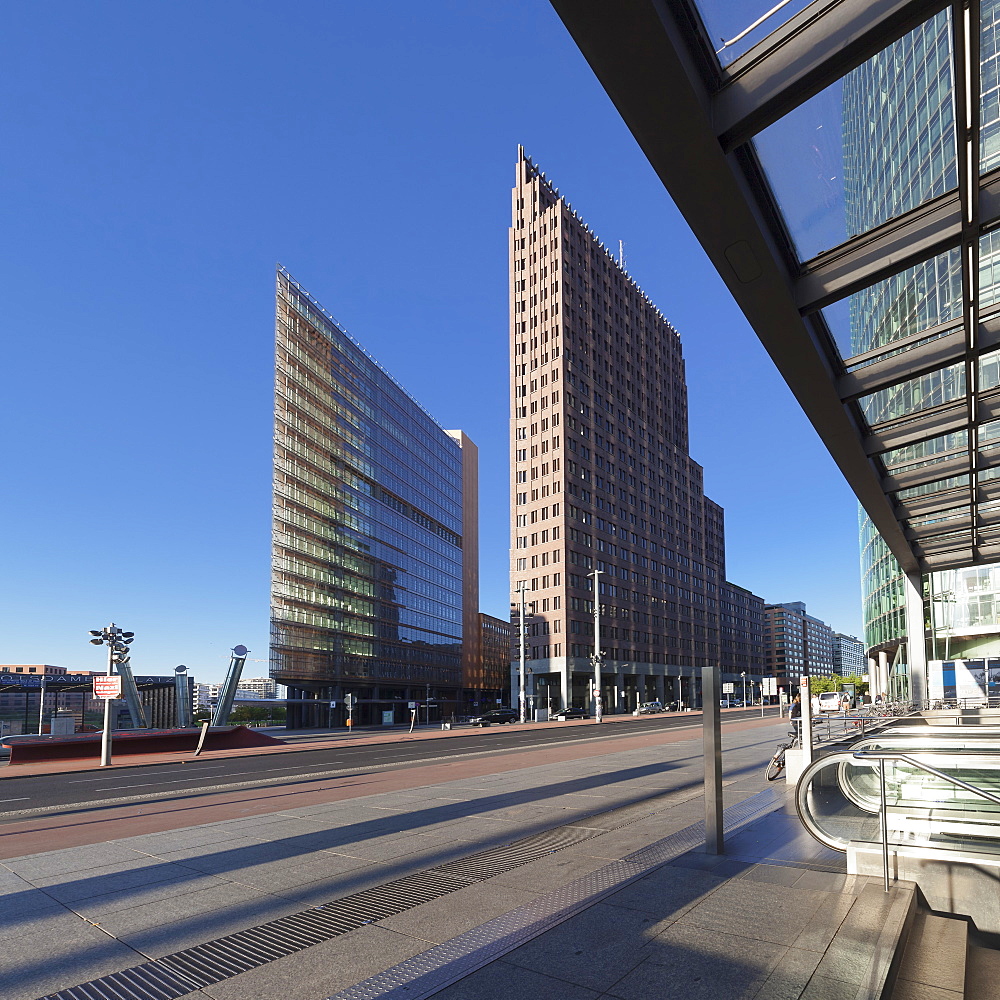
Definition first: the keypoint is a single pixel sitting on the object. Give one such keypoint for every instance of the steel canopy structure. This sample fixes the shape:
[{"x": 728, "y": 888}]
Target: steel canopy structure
[{"x": 924, "y": 465}]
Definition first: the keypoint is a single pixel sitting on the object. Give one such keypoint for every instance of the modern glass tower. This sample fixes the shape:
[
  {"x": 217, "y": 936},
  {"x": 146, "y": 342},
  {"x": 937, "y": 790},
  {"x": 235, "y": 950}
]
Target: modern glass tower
[
  {"x": 368, "y": 557},
  {"x": 840, "y": 165},
  {"x": 899, "y": 149}
]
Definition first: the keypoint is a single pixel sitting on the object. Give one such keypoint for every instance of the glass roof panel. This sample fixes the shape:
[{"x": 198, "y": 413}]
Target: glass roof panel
[
  {"x": 906, "y": 304},
  {"x": 989, "y": 113},
  {"x": 989, "y": 371},
  {"x": 735, "y": 26},
  {"x": 989, "y": 269},
  {"x": 913, "y": 456},
  {"x": 876, "y": 144},
  {"x": 936, "y": 487},
  {"x": 917, "y": 394}
]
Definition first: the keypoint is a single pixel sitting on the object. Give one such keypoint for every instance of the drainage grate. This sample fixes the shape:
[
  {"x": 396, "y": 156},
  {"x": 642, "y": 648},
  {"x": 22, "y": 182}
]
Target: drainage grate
[
  {"x": 428, "y": 973},
  {"x": 203, "y": 965}
]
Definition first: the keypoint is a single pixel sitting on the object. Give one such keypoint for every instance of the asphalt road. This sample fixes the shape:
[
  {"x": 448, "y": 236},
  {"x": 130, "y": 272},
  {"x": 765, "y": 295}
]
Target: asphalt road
[{"x": 82, "y": 790}]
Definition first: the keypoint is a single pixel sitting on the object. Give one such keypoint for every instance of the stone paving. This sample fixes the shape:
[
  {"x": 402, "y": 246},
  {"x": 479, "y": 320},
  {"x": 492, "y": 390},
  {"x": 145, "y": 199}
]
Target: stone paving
[{"x": 755, "y": 923}]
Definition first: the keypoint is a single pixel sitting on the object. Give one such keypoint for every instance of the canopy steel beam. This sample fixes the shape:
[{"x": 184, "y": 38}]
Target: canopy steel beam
[
  {"x": 920, "y": 234},
  {"x": 645, "y": 56},
  {"x": 804, "y": 56},
  {"x": 940, "y": 353},
  {"x": 926, "y": 474},
  {"x": 925, "y": 232},
  {"x": 933, "y": 423},
  {"x": 922, "y": 506}
]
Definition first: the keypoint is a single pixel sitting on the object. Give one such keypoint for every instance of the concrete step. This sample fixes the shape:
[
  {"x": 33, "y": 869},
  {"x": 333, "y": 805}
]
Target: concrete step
[
  {"x": 860, "y": 959},
  {"x": 982, "y": 973},
  {"x": 933, "y": 965}
]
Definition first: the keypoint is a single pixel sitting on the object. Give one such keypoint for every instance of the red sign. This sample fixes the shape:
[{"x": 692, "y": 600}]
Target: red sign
[{"x": 108, "y": 686}]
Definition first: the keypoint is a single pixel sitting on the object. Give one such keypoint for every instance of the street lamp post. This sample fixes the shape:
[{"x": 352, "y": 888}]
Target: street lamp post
[
  {"x": 41, "y": 706},
  {"x": 744, "y": 676},
  {"x": 118, "y": 643},
  {"x": 521, "y": 612},
  {"x": 598, "y": 655}
]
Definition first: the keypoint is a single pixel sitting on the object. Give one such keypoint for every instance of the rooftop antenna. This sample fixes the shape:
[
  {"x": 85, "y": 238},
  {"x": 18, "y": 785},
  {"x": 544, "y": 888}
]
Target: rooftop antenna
[{"x": 621, "y": 254}]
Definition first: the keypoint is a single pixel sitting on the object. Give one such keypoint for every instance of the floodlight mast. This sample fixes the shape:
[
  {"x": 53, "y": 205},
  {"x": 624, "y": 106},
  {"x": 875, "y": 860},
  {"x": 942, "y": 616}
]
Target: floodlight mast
[{"x": 118, "y": 642}]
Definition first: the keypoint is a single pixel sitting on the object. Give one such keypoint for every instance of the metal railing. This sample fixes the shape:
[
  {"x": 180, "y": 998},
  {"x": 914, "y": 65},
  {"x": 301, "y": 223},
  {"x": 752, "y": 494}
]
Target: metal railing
[
  {"x": 851, "y": 724},
  {"x": 882, "y": 756}
]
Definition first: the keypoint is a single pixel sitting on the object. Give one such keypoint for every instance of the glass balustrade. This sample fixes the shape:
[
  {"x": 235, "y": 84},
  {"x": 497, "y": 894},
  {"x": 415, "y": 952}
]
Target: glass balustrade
[{"x": 928, "y": 799}]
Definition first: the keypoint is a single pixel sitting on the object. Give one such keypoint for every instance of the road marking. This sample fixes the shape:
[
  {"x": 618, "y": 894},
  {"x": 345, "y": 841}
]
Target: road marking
[
  {"x": 114, "y": 777},
  {"x": 23, "y": 798},
  {"x": 607, "y": 734}
]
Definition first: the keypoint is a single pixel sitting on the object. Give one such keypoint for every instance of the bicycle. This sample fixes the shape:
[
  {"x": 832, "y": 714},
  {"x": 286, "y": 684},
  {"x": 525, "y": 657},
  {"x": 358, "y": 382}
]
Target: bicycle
[{"x": 777, "y": 763}]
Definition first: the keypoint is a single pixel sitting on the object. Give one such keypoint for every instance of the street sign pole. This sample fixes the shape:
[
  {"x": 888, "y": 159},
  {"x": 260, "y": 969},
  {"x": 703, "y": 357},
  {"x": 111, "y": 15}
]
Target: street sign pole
[{"x": 106, "y": 732}]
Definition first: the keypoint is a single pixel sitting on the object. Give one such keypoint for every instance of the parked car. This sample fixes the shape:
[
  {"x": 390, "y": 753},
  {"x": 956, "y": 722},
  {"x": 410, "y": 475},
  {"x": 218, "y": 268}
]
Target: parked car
[
  {"x": 569, "y": 713},
  {"x": 830, "y": 701},
  {"x": 651, "y": 708},
  {"x": 497, "y": 715}
]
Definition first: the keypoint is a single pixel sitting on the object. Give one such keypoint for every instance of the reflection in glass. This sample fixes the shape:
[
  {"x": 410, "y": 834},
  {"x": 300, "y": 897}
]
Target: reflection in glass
[
  {"x": 903, "y": 305},
  {"x": 922, "y": 453},
  {"x": 967, "y": 602},
  {"x": 735, "y": 26},
  {"x": 915, "y": 395},
  {"x": 869, "y": 148},
  {"x": 989, "y": 55},
  {"x": 367, "y": 532}
]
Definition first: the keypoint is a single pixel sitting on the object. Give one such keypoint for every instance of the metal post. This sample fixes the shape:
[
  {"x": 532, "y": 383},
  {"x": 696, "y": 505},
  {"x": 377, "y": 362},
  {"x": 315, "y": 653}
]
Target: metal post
[
  {"x": 805, "y": 717},
  {"x": 41, "y": 707},
  {"x": 598, "y": 715},
  {"x": 712, "y": 744},
  {"x": 916, "y": 646},
  {"x": 520, "y": 674},
  {"x": 885, "y": 826}
]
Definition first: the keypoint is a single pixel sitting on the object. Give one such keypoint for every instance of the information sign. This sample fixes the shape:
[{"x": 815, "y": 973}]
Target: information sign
[
  {"x": 107, "y": 686},
  {"x": 727, "y": 688}
]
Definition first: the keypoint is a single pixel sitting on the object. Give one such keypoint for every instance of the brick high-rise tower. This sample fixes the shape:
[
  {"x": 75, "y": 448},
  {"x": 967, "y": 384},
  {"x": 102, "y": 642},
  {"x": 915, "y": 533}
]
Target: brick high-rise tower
[{"x": 602, "y": 479}]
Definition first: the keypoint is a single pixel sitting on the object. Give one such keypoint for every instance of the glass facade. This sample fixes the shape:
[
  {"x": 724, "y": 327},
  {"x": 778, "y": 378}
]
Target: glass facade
[
  {"x": 898, "y": 137},
  {"x": 366, "y": 591},
  {"x": 862, "y": 164}
]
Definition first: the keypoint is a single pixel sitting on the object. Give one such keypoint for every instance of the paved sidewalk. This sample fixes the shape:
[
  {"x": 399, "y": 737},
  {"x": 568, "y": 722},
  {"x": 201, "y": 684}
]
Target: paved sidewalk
[{"x": 75, "y": 915}]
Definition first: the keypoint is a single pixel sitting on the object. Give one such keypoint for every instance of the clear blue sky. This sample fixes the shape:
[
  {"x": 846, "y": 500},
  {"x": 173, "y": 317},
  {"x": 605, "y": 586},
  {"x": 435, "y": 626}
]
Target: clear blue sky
[{"x": 161, "y": 158}]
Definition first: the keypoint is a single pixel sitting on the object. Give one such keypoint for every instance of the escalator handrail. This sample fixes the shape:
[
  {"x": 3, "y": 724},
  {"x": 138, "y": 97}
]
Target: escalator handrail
[
  {"x": 894, "y": 755},
  {"x": 811, "y": 823}
]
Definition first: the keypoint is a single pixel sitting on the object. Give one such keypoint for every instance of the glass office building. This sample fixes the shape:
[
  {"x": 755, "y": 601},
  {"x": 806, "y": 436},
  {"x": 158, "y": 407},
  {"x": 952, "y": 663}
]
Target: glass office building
[
  {"x": 900, "y": 152},
  {"x": 367, "y": 548},
  {"x": 839, "y": 162}
]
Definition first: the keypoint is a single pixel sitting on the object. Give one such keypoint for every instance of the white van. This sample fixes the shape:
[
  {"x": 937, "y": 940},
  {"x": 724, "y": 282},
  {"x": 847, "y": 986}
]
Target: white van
[{"x": 829, "y": 701}]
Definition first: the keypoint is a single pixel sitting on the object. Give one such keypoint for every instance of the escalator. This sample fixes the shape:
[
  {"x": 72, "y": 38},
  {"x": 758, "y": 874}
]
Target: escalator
[{"x": 919, "y": 803}]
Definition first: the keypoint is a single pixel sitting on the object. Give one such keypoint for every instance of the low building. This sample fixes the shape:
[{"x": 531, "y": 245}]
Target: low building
[
  {"x": 849, "y": 658},
  {"x": 796, "y": 644},
  {"x": 495, "y": 638},
  {"x": 741, "y": 639}
]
